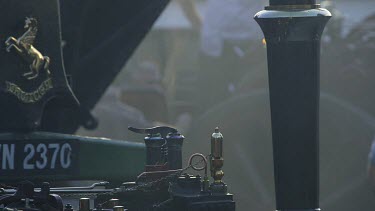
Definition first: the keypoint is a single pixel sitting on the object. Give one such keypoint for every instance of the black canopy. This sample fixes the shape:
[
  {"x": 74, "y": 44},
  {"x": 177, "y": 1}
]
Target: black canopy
[{"x": 99, "y": 37}]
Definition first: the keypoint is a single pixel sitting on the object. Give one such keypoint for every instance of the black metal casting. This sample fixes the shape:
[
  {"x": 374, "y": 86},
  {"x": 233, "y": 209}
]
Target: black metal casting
[
  {"x": 174, "y": 144},
  {"x": 293, "y": 33},
  {"x": 163, "y": 144}
]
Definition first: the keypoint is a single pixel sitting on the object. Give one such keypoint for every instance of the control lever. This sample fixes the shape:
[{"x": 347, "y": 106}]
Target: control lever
[{"x": 162, "y": 130}]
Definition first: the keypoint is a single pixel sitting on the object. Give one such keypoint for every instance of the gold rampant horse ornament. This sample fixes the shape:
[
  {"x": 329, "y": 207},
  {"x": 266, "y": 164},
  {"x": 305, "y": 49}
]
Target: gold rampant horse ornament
[{"x": 24, "y": 47}]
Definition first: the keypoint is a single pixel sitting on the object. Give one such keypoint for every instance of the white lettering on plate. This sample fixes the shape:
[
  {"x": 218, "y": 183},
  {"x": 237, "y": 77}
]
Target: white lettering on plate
[
  {"x": 36, "y": 156},
  {"x": 7, "y": 161}
]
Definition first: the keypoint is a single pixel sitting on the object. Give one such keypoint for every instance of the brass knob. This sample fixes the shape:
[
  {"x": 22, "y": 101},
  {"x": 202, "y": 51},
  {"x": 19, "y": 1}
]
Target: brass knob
[
  {"x": 84, "y": 204},
  {"x": 118, "y": 208},
  {"x": 113, "y": 203}
]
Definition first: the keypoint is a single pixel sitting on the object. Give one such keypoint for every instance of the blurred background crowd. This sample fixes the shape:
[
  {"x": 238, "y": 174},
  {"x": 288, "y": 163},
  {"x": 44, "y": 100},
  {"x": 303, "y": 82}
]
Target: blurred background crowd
[{"x": 204, "y": 64}]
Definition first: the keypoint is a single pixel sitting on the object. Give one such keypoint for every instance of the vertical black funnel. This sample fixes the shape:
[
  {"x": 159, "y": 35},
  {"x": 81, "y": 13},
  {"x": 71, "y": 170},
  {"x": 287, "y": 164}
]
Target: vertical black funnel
[{"x": 292, "y": 30}]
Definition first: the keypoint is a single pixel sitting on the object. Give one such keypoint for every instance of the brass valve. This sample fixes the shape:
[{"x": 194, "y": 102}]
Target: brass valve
[
  {"x": 217, "y": 162},
  {"x": 217, "y": 144}
]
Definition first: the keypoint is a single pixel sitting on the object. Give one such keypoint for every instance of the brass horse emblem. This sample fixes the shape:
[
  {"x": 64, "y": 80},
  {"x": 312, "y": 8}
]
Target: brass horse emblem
[{"x": 24, "y": 47}]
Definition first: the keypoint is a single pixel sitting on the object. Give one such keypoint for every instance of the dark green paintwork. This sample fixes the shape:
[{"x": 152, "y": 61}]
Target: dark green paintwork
[{"x": 98, "y": 158}]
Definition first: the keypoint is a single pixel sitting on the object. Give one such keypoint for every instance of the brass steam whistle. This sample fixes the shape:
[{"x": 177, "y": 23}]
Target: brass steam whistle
[{"x": 217, "y": 162}]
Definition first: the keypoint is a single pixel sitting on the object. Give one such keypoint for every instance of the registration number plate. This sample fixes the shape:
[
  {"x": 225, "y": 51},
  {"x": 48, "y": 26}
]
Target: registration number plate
[{"x": 41, "y": 157}]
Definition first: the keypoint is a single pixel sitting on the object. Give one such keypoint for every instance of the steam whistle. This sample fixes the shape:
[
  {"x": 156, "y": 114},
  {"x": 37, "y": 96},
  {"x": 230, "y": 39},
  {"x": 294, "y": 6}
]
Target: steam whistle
[
  {"x": 163, "y": 148},
  {"x": 217, "y": 162}
]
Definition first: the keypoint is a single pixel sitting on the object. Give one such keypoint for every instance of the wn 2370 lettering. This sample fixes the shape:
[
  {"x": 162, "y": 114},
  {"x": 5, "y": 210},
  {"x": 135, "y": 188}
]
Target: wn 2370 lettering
[{"x": 42, "y": 156}]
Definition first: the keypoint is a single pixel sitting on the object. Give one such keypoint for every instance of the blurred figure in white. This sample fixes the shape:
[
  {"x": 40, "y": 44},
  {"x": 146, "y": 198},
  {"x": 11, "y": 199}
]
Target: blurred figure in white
[
  {"x": 229, "y": 21},
  {"x": 230, "y": 41}
]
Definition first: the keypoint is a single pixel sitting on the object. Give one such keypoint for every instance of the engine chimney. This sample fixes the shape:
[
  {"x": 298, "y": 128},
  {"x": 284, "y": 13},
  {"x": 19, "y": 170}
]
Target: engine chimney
[{"x": 292, "y": 29}]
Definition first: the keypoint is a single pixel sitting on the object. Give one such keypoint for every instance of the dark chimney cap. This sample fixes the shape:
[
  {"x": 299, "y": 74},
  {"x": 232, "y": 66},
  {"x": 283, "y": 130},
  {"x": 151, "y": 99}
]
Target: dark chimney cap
[{"x": 292, "y": 2}]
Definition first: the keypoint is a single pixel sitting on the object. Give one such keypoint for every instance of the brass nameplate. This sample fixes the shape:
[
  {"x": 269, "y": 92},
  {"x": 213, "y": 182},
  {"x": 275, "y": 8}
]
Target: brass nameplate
[{"x": 29, "y": 97}]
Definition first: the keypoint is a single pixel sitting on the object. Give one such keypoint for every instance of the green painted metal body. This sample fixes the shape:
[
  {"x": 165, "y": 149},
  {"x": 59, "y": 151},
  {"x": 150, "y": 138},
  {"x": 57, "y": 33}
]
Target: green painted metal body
[{"x": 93, "y": 158}]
